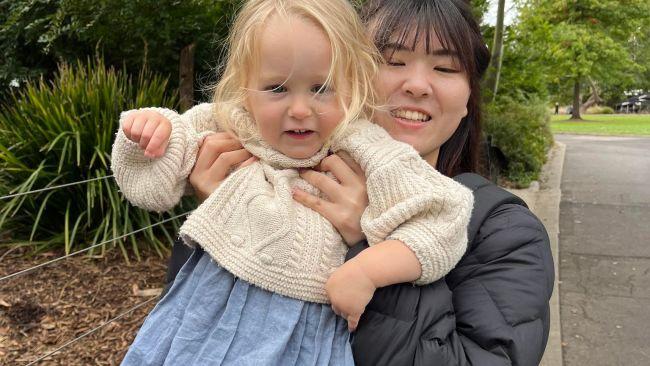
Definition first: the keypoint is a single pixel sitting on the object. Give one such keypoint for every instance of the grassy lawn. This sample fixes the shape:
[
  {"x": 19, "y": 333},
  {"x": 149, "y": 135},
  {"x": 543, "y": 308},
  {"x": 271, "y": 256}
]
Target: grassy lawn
[{"x": 603, "y": 124}]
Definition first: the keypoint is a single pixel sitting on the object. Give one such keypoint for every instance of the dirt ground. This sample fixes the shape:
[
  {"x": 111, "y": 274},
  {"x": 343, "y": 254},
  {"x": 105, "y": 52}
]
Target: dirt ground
[{"x": 42, "y": 310}]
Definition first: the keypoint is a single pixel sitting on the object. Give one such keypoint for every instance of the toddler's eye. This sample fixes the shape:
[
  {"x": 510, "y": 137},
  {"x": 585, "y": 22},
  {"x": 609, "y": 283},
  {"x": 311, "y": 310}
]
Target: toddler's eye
[
  {"x": 320, "y": 89},
  {"x": 394, "y": 63},
  {"x": 275, "y": 88}
]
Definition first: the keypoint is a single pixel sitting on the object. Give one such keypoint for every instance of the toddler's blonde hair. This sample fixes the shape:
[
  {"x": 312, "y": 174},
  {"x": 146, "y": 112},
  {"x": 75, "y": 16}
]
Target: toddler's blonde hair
[{"x": 352, "y": 72}]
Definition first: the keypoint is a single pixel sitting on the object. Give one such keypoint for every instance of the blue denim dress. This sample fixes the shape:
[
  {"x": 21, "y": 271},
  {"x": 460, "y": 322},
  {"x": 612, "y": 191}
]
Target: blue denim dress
[{"x": 209, "y": 317}]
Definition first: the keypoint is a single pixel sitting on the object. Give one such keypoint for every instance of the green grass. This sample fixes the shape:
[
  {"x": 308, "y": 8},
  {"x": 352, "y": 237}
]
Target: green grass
[{"x": 603, "y": 124}]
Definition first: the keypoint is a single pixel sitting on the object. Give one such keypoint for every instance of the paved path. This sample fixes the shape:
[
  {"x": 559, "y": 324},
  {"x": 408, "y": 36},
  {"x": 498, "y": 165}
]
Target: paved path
[{"x": 605, "y": 251}]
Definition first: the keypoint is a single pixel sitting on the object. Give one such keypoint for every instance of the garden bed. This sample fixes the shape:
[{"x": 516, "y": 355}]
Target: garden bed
[{"x": 42, "y": 310}]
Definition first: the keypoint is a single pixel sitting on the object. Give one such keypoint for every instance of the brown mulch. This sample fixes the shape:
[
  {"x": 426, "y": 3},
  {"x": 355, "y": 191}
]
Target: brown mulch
[{"x": 42, "y": 310}]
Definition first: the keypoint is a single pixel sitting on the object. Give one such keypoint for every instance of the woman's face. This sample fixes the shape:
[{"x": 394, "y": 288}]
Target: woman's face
[{"x": 426, "y": 95}]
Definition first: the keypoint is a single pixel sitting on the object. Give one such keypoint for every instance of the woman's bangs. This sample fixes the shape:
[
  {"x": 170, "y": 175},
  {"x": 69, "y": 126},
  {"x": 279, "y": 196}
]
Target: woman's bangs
[{"x": 406, "y": 25}]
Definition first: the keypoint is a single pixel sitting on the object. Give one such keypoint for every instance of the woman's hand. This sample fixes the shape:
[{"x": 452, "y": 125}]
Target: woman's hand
[
  {"x": 219, "y": 155},
  {"x": 347, "y": 199},
  {"x": 350, "y": 289}
]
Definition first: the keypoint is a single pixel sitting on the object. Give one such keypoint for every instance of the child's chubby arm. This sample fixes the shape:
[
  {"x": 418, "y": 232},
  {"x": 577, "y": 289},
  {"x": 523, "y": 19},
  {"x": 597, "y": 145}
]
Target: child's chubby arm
[
  {"x": 351, "y": 286},
  {"x": 154, "y": 152},
  {"x": 410, "y": 202}
]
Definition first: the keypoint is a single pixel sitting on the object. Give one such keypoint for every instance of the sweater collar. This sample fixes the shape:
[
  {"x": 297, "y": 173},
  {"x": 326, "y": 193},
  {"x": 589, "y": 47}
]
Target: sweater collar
[{"x": 276, "y": 159}]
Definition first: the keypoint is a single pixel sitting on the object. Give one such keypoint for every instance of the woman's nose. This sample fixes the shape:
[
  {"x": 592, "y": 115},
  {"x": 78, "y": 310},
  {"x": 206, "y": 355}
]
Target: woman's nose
[
  {"x": 417, "y": 85},
  {"x": 300, "y": 108}
]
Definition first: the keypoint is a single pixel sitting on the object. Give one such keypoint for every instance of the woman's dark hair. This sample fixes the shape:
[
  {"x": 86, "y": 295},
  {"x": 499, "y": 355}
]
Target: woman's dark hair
[{"x": 452, "y": 22}]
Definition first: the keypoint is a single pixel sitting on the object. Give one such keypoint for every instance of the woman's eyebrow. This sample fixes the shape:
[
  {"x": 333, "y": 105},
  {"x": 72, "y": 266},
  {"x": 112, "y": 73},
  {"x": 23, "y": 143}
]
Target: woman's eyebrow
[{"x": 394, "y": 46}]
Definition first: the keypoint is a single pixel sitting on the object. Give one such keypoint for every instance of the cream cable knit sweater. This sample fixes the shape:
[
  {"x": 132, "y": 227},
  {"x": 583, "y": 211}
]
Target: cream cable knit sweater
[{"x": 252, "y": 227}]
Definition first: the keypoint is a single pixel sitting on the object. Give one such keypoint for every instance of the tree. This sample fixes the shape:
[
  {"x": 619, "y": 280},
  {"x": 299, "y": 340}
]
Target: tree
[
  {"x": 494, "y": 71},
  {"x": 480, "y": 7},
  {"x": 37, "y": 35},
  {"x": 584, "y": 39}
]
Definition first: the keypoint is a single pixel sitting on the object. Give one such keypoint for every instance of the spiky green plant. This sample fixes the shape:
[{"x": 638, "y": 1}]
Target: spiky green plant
[{"x": 62, "y": 132}]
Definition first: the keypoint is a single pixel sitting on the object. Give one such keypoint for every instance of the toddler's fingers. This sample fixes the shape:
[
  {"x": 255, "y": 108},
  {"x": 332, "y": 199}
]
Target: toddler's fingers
[
  {"x": 127, "y": 124},
  {"x": 159, "y": 140},
  {"x": 148, "y": 132},
  {"x": 136, "y": 129},
  {"x": 353, "y": 322},
  {"x": 336, "y": 310}
]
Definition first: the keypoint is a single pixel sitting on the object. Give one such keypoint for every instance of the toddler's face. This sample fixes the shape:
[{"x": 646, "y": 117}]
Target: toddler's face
[{"x": 294, "y": 111}]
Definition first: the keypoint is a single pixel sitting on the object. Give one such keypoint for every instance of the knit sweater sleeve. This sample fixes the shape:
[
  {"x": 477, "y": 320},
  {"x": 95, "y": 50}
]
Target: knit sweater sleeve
[
  {"x": 158, "y": 184},
  {"x": 410, "y": 201}
]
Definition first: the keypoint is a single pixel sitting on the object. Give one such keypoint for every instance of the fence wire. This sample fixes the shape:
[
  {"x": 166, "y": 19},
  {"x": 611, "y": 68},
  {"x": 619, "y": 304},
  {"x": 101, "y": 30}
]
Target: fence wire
[
  {"x": 24, "y": 271},
  {"x": 53, "y": 187},
  {"x": 72, "y": 341}
]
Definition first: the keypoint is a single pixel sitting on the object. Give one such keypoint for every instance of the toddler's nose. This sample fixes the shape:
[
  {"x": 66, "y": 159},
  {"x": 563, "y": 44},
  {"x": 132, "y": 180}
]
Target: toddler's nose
[{"x": 300, "y": 108}]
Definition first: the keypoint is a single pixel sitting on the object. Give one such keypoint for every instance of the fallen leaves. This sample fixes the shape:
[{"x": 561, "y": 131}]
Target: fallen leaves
[{"x": 42, "y": 310}]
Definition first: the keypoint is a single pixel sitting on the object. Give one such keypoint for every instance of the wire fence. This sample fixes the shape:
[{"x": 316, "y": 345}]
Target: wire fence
[
  {"x": 27, "y": 270},
  {"x": 41, "y": 265},
  {"x": 53, "y": 187}
]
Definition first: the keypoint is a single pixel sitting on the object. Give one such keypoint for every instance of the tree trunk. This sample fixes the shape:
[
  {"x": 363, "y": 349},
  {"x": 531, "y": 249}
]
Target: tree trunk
[
  {"x": 575, "y": 112},
  {"x": 594, "y": 98},
  {"x": 186, "y": 77},
  {"x": 494, "y": 72}
]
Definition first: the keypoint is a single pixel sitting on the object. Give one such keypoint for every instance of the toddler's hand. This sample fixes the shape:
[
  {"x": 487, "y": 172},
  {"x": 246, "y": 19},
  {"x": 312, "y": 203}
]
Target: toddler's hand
[
  {"x": 350, "y": 289},
  {"x": 150, "y": 130}
]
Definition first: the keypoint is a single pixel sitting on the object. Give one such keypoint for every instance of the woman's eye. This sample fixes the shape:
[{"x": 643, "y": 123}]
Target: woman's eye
[
  {"x": 447, "y": 70},
  {"x": 320, "y": 89},
  {"x": 275, "y": 88}
]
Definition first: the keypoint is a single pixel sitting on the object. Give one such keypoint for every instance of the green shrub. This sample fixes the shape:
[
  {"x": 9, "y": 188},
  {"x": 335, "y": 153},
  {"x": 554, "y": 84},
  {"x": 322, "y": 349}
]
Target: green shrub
[
  {"x": 598, "y": 109},
  {"x": 62, "y": 132},
  {"x": 521, "y": 131}
]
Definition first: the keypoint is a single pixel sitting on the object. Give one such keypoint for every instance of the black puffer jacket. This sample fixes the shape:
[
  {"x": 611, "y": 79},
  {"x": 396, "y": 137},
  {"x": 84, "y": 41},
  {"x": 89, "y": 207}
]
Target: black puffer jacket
[{"x": 491, "y": 309}]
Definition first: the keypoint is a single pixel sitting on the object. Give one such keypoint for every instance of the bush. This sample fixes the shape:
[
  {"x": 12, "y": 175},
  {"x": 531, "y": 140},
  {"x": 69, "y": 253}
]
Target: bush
[
  {"x": 62, "y": 132},
  {"x": 600, "y": 110},
  {"x": 521, "y": 131}
]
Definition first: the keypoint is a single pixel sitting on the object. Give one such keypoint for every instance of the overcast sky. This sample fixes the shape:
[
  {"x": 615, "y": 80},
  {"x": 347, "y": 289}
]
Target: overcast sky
[{"x": 511, "y": 12}]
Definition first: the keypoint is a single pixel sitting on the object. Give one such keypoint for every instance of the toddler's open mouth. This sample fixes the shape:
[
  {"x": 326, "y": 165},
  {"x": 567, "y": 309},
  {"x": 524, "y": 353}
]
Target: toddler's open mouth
[{"x": 299, "y": 134}]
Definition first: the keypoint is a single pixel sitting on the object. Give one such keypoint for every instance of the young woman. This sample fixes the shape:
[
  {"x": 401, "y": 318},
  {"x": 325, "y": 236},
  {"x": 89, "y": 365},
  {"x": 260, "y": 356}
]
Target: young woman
[{"x": 492, "y": 308}]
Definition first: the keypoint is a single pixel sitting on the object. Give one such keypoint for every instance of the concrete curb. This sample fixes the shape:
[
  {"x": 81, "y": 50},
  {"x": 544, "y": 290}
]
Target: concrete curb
[{"x": 544, "y": 200}]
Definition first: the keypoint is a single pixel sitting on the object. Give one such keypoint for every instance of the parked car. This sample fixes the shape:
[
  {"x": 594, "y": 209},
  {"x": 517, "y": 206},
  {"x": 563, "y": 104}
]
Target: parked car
[{"x": 635, "y": 104}]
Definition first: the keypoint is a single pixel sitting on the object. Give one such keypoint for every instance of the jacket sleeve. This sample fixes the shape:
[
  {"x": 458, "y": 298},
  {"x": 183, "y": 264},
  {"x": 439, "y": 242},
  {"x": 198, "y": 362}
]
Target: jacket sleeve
[
  {"x": 492, "y": 309},
  {"x": 409, "y": 201},
  {"x": 158, "y": 184}
]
